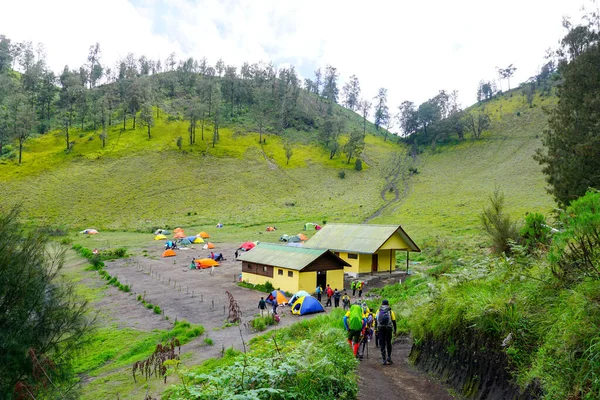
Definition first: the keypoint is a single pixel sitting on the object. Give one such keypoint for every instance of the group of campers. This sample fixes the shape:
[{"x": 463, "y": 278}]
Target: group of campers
[
  {"x": 362, "y": 325},
  {"x": 336, "y": 295}
]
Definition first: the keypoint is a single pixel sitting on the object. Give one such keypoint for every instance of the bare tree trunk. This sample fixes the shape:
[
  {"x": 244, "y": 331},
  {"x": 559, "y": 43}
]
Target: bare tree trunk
[
  {"x": 134, "y": 120},
  {"x": 20, "y": 149},
  {"x": 149, "y": 137}
]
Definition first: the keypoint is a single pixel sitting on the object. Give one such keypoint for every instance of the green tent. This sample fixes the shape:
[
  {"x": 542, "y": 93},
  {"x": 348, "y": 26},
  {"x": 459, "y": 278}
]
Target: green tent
[
  {"x": 284, "y": 238},
  {"x": 185, "y": 242},
  {"x": 309, "y": 226}
]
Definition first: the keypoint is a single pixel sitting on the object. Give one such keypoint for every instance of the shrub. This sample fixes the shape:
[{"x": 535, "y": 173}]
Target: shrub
[
  {"x": 342, "y": 174},
  {"x": 575, "y": 252},
  {"x": 413, "y": 170},
  {"x": 157, "y": 310},
  {"x": 208, "y": 341},
  {"x": 498, "y": 225},
  {"x": 535, "y": 232},
  {"x": 358, "y": 165},
  {"x": 149, "y": 306}
]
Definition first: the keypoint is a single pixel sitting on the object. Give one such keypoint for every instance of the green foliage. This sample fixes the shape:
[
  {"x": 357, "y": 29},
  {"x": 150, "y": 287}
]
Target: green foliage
[
  {"x": 308, "y": 360},
  {"x": 535, "y": 233},
  {"x": 575, "y": 252},
  {"x": 157, "y": 310},
  {"x": 261, "y": 323},
  {"x": 571, "y": 157},
  {"x": 358, "y": 165},
  {"x": 266, "y": 287},
  {"x": 498, "y": 225},
  {"x": 43, "y": 320},
  {"x": 208, "y": 341},
  {"x": 342, "y": 174}
]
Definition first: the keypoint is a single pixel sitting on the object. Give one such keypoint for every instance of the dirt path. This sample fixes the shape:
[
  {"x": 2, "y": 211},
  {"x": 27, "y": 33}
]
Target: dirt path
[{"x": 397, "y": 381}]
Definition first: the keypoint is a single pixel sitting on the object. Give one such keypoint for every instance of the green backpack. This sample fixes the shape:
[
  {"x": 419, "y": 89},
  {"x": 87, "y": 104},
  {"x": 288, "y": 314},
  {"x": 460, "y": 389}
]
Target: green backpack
[{"x": 355, "y": 322}]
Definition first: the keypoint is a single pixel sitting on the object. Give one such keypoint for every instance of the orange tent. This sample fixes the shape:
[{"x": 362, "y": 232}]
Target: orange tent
[
  {"x": 179, "y": 235},
  {"x": 210, "y": 245},
  {"x": 177, "y": 230},
  {"x": 169, "y": 253},
  {"x": 206, "y": 263},
  {"x": 302, "y": 237},
  {"x": 203, "y": 235}
]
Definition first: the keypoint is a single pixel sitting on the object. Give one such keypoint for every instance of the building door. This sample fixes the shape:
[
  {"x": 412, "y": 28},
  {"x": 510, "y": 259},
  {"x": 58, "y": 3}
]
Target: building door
[
  {"x": 374, "y": 265},
  {"x": 322, "y": 279}
]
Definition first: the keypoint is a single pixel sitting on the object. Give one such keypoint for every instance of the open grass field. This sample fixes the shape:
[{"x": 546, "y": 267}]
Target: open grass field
[{"x": 455, "y": 182}]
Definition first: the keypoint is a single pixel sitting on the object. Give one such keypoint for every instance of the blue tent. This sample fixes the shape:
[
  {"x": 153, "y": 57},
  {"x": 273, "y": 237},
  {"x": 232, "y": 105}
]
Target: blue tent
[
  {"x": 299, "y": 294},
  {"x": 191, "y": 238},
  {"x": 307, "y": 305}
]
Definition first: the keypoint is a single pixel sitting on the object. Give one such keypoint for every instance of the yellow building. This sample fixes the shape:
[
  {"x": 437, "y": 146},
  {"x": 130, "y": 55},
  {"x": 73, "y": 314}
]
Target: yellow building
[
  {"x": 367, "y": 248},
  {"x": 291, "y": 269}
]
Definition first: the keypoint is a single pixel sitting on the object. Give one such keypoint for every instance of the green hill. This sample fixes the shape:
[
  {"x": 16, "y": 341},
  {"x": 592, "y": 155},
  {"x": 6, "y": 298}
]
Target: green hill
[{"x": 135, "y": 183}]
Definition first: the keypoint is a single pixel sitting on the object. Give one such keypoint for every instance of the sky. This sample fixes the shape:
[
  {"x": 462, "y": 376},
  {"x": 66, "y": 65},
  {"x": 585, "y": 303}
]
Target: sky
[{"x": 412, "y": 48}]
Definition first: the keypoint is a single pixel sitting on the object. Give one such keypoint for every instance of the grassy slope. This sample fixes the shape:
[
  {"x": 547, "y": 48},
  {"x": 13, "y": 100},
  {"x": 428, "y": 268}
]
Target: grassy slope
[
  {"x": 455, "y": 182},
  {"x": 137, "y": 183}
]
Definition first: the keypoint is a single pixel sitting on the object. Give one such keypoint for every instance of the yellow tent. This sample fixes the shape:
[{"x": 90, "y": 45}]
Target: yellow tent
[
  {"x": 160, "y": 237},
  {"x": 198, "y": 240}
]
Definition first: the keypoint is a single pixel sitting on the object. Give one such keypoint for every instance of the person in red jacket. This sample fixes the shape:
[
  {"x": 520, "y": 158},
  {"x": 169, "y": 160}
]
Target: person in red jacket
[{"x": 329, "y": 292}]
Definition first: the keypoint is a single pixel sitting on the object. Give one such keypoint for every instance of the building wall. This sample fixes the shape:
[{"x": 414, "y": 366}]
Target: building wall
[
  {"x": 335, "y": 278},
  {"x": 354, "y": 262},
  {"x": 308, "y": 281},
  {"x": 383, "y": 260},
  {"x": 395, "y": 242},
  {"x": 282, "y": 282}
]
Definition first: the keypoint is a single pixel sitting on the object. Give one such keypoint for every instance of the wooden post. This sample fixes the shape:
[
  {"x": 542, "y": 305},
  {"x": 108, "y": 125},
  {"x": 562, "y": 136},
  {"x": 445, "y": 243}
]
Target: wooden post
[
  {"x": 391, "y": 261},
  {"x": 407, "y": 253}
]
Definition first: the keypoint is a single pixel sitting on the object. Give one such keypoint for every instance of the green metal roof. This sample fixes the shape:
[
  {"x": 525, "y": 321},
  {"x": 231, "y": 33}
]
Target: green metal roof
[
  {"x": 277, "y": 255},
  {"x": 357, "y": 238}
]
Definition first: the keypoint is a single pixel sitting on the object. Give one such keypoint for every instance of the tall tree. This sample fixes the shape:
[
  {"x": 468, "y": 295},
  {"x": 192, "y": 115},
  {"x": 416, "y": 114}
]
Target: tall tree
[
  {"x": 318, "y": 82},
  {"x": 365, "y": 107},
  {"x": 351, "y": 93},
  {"x": 43, "y": 320},
  {"x": 95, "y": 68},
  {"x": 330, "y": 88},
  {"x": 354, "y": 145},
  {"x": 23, "y": 119},
  {"x": 6, "y": 55},
  {"x": 147, "y": 117},
  {"x": 571, "y": 154},
  {"x": 382, "y": 113},
  {"x": 477, "y": 122}
]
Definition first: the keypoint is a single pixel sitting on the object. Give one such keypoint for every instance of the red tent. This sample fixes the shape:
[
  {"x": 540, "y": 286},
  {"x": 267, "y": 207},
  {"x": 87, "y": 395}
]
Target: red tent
[{"x": 247, "y": 246}]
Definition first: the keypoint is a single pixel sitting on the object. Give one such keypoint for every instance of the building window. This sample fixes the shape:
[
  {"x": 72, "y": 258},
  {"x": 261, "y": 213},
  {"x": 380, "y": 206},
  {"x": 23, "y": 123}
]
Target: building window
[
  {"x": 291, "y": 274},
  {"x": 279, "y": 272},
  {"x": 264, "y": 268},
  {"x": 249, "y": 266},
  {"x": 353, "y": 256}
]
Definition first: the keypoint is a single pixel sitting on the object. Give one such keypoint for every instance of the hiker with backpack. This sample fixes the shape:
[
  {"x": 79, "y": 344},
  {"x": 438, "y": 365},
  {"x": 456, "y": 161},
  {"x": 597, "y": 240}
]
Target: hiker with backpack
[
  {"x": 353, "y": 287},
  {"x": 319, "y": 292},
  {"x": 385, "y": 324},
  {"x": 354, "y": 322},
  {"x": 336, "y": 298},
  {"x": 262, "y": 306},
  {"x": 346, "y": 301},
  {"x": 359, "y": 286},
  {"x": 329, "y": 293}
]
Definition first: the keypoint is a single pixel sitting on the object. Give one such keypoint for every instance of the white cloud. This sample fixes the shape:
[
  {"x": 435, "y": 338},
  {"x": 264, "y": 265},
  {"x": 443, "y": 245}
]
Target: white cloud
[{"x": 412, "y": 48}]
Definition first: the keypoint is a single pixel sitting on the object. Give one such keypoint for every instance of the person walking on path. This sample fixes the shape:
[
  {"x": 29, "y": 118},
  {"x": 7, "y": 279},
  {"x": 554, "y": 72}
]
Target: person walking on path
[
  {"x": 359, "y": 286},
  {"x": 346, "y": 301},
  {"x": 319, "y": 292},
  {"x": 262, "y": 306},
  {"x": 353, "y": 287},
  {"x": 336, "y": 298},
  {"x": 385, "y": 324},
  {"x": 354, "y": 322},
  {"x": 275, "y": 307},
  {"x": 329, "y": 292}
]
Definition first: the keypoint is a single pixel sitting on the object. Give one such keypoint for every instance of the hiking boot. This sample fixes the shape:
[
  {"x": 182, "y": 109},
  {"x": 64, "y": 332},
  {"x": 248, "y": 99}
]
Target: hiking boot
[
  {"x": 389, "y": 361},
  {"x": 384, "y": 362}
]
